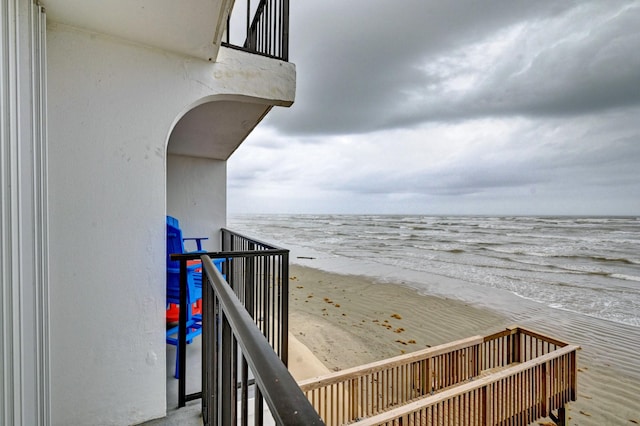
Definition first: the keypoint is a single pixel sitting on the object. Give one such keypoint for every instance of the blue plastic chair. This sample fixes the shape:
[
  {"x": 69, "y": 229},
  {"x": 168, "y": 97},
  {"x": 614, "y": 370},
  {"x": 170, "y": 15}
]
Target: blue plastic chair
[{"x": 175, "y": 244}]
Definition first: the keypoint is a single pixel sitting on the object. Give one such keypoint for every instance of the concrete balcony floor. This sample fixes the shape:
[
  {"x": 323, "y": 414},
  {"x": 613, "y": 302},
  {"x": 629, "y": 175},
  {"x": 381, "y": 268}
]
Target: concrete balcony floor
[{"x": 190, "y": 414}]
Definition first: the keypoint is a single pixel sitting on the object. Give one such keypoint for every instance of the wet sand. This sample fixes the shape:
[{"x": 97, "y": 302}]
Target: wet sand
[{"x": 348, "y": 320}]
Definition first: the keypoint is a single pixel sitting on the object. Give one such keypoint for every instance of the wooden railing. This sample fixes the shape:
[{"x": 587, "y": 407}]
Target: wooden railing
[{"x": 467, "y": 378}]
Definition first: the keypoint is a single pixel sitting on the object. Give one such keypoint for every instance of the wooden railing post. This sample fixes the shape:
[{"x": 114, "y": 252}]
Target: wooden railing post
[
  {"x": 426, "y": 377},
  {"x": 545, "y": 391},
  {"x": 354, "y": 411},
  {"x": 573, "y": 370},
  {"x": 562, "y": 416},
  {"x": 487, "y": 393},
  {"x": 477, "y": 360},
  {"x": 517, "y": 355}
]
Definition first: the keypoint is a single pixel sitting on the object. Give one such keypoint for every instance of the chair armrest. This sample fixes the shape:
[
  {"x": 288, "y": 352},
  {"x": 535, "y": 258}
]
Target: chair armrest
[
  {"x": 190, "y": 268},
  {"x": 198, "y": 241}
]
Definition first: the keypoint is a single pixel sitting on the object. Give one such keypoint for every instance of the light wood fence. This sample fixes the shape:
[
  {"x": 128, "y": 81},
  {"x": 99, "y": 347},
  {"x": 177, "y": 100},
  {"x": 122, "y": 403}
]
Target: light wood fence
[{"x": 511, "y": 377}]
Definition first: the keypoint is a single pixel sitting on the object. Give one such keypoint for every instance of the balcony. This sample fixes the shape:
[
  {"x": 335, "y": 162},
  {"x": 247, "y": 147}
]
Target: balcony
[
  {"x": 244, "y": 345},
  {"x": 515, "y": 376}
]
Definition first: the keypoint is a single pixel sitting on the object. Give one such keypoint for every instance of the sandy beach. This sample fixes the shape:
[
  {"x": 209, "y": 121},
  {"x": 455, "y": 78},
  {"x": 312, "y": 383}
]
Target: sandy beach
[{"x": 348, "y": 320}]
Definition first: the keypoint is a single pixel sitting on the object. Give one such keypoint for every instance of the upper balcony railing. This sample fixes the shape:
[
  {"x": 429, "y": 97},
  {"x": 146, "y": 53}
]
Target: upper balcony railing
[{"x": 266, "y": 32}]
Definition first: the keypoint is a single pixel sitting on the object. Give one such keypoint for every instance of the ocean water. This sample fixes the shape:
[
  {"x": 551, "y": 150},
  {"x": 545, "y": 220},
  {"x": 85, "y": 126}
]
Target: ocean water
[{"x": 586, "y": 265}]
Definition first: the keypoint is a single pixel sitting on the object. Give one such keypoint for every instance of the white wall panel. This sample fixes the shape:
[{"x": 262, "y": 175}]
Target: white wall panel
[{"x": 24, "y": 307}]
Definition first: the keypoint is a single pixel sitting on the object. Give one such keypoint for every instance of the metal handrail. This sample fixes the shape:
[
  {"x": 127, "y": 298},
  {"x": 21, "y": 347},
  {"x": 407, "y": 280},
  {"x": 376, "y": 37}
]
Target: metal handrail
[
  {"x": 225, "y": 254},
  {"x": 267, "y": 33},
  {"x": 255, "y": 241},
  {"x": 287, "y": 403}
]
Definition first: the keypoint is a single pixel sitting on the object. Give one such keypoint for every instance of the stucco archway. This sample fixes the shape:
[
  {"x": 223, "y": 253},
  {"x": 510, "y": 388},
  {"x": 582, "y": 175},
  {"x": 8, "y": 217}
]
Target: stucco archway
[{"x": 201, "y": 141}]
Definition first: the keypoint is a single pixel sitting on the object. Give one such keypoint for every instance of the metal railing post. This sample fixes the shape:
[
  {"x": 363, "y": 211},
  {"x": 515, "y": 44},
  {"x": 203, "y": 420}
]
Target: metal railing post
[
  {"x": 208, "y": 354},
  {"x": 284, "y": 312},
  {"x": 182, "y": 332},
  {"x": 225, "y": 396},
  {"x": 285, "y": 30}
]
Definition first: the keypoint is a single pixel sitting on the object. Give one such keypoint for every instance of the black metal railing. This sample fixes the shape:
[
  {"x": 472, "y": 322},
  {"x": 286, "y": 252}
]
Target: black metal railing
[
  {"x": 233, "y": 348},
  {"x": 181, "y": 349},
  {"x": 261, "y": 282},
  {"x": 267, "y": 32},
  {"x": 258, "y": 275}
]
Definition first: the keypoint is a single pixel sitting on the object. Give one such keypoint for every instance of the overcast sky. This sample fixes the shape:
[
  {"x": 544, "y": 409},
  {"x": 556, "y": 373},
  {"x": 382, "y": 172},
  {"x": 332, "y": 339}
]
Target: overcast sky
[{"x": 452, "y": 107}]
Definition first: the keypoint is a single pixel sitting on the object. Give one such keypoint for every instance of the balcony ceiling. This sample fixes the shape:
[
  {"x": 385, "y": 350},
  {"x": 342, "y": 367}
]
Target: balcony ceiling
[
  {"x": 215, "y": 129},
  {"x": 190, "y": 27}
]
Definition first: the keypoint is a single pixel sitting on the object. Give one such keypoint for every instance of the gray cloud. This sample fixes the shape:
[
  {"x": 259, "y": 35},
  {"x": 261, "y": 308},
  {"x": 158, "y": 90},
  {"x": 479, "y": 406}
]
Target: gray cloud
[
  {"x": 453, "y": 107},
  {"x": 363, "y": 69},
  {"x": 554, "y": 154}
]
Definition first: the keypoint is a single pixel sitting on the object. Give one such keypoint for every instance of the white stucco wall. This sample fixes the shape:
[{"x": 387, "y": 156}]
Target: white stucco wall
[
  {"x": 112, "y": 106},
  {"x": 196, "y": 195}
]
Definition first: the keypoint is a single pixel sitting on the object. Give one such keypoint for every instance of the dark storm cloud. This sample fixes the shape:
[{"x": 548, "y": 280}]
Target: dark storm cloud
[
  {"x": 369, "y": 65},
  {"x": 425, "y": 106},
  {"x": 590, "y": 69}
]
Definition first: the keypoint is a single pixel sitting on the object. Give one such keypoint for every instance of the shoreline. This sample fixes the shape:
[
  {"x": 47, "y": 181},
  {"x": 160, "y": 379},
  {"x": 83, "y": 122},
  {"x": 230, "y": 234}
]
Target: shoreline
[{"x": 349, "y": 320}]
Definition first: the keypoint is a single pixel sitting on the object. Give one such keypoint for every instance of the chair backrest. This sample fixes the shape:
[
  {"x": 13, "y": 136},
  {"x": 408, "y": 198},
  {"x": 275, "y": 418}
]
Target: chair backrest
[
  {"x": 174, "y": 242},
  {"x": 175, "y": 245},
  {"x": 173, "y": 221}
]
